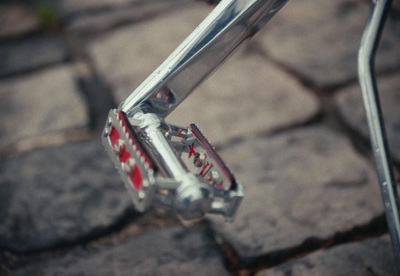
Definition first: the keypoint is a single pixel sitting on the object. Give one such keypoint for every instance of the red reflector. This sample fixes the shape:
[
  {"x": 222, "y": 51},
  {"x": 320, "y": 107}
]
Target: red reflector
[
  {"x": 114, "y": 135},
  {"x": 124, "y": 155},
  {"x": 137, "y": 178}
]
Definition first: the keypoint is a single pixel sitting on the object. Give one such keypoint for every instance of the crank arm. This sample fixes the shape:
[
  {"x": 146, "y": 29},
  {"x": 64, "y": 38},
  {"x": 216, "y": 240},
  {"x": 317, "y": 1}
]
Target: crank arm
[
  {"x": 225, "y": 28},
  {"x": 170, "y": 166}
]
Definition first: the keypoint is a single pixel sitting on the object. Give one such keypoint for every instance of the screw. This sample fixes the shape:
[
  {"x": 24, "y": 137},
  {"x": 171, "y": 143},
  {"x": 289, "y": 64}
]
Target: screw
[
  {"x": 106, "y": 132},
  {"x": 109, "y": 121},
  {"x": 199, "y": 159},
  {"x": 212, "y": 177}
]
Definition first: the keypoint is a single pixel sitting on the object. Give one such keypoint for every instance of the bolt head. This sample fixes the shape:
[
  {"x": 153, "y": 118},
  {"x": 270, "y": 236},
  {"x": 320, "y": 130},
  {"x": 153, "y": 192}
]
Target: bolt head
[
  {"x": 106, "y": 132},
  {"x": 109, "y": 121},
  {"x": 212, "y": 177},
  {"x": 199, "y": 159}
]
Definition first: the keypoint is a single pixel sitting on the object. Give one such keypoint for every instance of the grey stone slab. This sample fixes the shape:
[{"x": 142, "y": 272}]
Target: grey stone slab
[
  {"x": 38, "y": 103},
  {"x": 104, "y": 21},
  {"x": 351, "y": 108},
  {"x": 76, "y": 7},
  {"x": 170, "y": 251},
  {"x": 246, "y": 95},
  {"x": 127, "y": 56},
  {"x": 371, "y": 257},
  {"x": 31, "y": 53},
  {"x": 16, "y": 20},
  {"x": 58, "y": 195},
  {"x": 299, "y": 184},
  {"x": 67, "y": 7},
  {"x": 320, "y": 40},
  {"x": 396, "y": 5}
]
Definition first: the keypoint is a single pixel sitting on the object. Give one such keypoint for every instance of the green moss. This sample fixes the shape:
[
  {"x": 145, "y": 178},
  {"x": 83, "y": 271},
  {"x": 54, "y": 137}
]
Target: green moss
[{"x": 47, "y": 16}]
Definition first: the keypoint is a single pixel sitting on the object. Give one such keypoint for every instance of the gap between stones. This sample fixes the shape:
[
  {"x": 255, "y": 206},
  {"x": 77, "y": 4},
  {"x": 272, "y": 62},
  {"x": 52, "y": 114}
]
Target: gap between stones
[
  {"x": 251, "y": 265},
  {"x": 55, "y": 138},
  {"x": 329, "y": 113},
  {"x": 128, "y": 217},
  {"x": 129, "y": 225},
  {"x": 46, "y": 65},
  {"x": 315, "y": 120},
  {"x": 95, "y": 92}
]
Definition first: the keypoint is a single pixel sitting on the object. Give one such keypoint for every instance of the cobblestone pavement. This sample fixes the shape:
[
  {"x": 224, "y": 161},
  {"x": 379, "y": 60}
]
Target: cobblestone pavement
[{"x": 285, "y": 113}]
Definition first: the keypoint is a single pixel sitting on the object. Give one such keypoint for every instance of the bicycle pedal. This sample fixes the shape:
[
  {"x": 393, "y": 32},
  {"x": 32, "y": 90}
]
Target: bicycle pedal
[{"x": 170, "y": 166}]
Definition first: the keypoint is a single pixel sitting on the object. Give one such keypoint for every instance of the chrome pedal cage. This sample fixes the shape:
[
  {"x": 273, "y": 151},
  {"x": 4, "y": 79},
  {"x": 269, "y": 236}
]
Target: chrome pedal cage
[{"x": 170, "y": 165}]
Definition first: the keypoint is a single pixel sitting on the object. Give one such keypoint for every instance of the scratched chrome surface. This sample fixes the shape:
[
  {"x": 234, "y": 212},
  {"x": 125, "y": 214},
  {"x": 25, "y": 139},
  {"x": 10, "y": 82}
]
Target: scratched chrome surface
[{"x": 226, "y": 27}]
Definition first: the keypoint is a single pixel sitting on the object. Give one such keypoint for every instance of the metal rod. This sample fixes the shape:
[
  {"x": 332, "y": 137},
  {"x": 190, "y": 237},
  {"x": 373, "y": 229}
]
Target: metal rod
[
  {"x": 224, "y": 29},
  {"x": 366, "y": 55}
]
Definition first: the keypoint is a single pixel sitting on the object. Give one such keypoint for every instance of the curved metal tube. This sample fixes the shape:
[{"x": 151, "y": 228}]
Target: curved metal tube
[
  {"x": 366, "y": 55},
  {"x": 226, "y": 27}
]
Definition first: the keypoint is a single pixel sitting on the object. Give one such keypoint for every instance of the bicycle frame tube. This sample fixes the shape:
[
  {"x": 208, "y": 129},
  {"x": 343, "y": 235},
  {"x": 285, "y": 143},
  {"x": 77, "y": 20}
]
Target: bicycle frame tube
[
  {"x": 369, "y": 44},
  {"x": 227, "y": 26}
]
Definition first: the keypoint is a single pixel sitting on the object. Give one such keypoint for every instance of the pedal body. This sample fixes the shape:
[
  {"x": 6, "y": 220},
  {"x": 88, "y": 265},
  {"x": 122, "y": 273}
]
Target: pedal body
[{"x": 170, "y": 165}]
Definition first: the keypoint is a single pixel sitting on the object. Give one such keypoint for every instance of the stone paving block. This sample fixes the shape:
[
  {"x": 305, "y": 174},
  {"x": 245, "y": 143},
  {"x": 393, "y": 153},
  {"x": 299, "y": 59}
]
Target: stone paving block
[
  {"x": 31, "y": 53},
  {"x": 372, "y": 257},
  {"x": 16, "y": 20},
  {"x": 58, "y": 195},
  {"x": 351, "y": 108},
  {"x": 320, "y": 40},
  {"x": 299, "y": 184},
  {"x": 127, "y": 56},
  {"x": 246, "y": 95},
  {"x": 74, "y": 7},
  {"x": 67, "y": 7},
  {"x": 170, "y": 251},
  {"x": 38, "y": 103},
  {"x": 396, "y": 5},
  {"x": 104, "y": 21}
]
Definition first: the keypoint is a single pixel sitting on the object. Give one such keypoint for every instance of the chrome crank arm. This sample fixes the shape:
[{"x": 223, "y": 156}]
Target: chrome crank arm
[{"x": 227, "y": 26}]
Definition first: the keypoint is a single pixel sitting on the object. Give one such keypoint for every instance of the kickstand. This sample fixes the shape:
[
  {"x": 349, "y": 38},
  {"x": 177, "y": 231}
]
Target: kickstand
[{"x": 380, "y": 149}]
